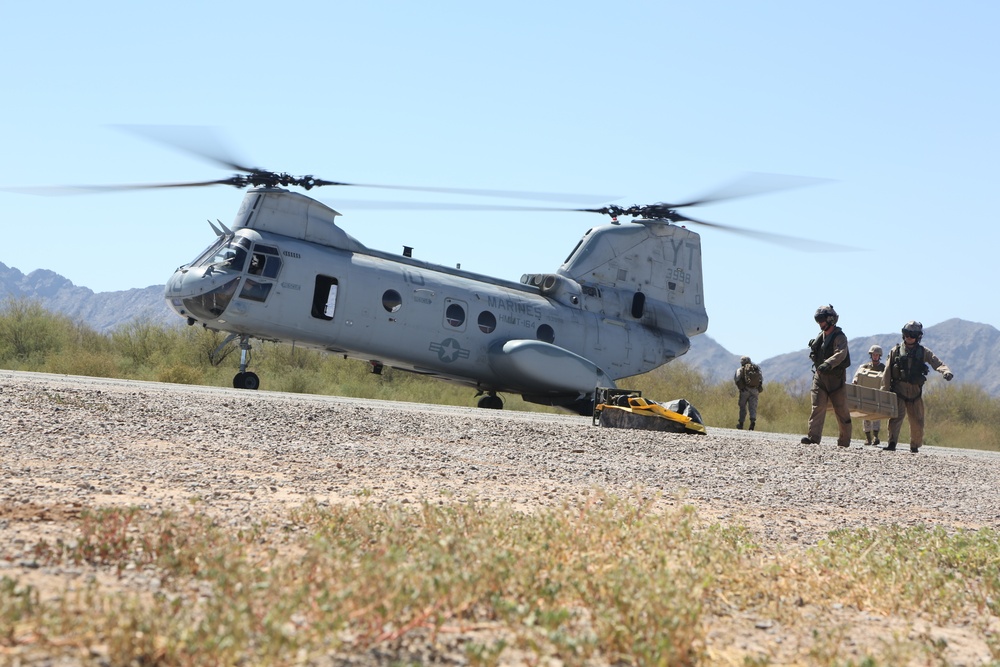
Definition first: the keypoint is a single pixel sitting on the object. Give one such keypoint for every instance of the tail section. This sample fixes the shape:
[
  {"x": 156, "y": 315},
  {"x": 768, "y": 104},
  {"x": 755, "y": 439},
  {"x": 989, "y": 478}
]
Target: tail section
[{"x": 652, "y": 258}]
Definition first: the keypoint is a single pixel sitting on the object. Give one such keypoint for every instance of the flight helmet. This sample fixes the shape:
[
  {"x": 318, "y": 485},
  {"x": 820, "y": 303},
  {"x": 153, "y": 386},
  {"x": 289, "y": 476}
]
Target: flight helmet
[
  {"x": 913, "y": 328},
  {"x": 826, "y": 313}
]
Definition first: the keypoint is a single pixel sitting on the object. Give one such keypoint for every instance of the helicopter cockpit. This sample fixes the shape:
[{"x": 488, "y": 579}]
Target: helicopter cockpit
[{"x": 204, "y": 288}]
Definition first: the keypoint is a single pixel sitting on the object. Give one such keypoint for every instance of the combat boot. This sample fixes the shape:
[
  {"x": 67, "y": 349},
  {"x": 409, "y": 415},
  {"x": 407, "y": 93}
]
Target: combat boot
[
  {"x": 739, "y": 425},
  {"x": 891, "y": 447},
  {"x": 753, "y": 423},
  {"x": 868, "y": 438},
  {"x": 876, "y": 438}
]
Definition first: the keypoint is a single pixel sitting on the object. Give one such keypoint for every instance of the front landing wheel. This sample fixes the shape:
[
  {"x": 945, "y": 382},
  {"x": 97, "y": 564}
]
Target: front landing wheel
[{"x": 246, "y": 381}]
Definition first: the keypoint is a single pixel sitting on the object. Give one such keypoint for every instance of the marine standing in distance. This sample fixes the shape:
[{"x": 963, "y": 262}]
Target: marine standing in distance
[
  {"x": 905, "y": 373},
  {"x": 876, "y": 365},
  {"x": 831, "y": 358},
  {"x": 750, "y": 381}
]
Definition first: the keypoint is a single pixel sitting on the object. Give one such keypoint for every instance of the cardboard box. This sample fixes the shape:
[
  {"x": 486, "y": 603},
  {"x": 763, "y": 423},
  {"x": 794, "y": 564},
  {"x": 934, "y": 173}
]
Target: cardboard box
[{"x": 868, "y": 403}]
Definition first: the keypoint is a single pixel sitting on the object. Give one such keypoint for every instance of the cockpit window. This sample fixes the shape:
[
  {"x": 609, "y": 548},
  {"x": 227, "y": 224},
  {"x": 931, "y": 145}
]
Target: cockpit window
[
  {"x": 208, "y": 252},
  {"x": 232, "y": 255}
]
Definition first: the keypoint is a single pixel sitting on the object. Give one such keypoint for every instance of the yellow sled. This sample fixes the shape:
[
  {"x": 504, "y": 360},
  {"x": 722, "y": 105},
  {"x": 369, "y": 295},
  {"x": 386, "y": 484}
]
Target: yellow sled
[{"x": 616, "y": 408}]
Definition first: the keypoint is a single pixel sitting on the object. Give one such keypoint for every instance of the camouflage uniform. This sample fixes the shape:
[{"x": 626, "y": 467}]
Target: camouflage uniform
[
  {"x": 870, "y": 425},
  {"x": 748, "y": 395},
  {"x": 909, "y": 394},
  {"x": 831, "y": 357}
]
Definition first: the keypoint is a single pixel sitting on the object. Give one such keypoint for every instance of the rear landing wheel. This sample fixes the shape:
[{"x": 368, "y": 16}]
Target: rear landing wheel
[{"x": 491, "y": 402}]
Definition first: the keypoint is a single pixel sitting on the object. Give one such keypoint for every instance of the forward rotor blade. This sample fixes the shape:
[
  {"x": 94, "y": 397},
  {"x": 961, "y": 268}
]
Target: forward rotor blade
[
  {"x": 204, "y": 142},
  {"x": 207, "y": 143},
  {"x": 436, "y": 206},
  {"x": 71, "y": 190},
  {"x": 475, "y": 192}
]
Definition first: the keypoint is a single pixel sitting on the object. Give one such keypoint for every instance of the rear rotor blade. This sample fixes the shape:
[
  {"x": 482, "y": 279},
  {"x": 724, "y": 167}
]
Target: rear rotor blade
[
  {"x": 794, "y": 242},
  {"x": 649, "y": 212},
  {"x": 751, "y": 185}
]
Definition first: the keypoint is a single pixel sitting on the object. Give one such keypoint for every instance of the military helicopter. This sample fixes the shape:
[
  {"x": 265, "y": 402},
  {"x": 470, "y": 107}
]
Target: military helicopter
[{"x": 627, "y": 299}]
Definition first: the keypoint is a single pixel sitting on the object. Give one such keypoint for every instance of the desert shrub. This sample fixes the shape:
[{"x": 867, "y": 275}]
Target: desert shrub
[
  {"x": 29, "y": 333},
  {"x": 179, "y": 374},
  {"x": 140, "y": 342}
]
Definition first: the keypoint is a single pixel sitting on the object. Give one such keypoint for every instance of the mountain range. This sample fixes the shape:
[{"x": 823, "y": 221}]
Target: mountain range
[{"x": 970, "y": 349}]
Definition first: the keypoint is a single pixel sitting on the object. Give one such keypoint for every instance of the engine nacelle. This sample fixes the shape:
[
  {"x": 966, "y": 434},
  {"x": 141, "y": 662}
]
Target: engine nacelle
[{"x": 554, "y": 286}]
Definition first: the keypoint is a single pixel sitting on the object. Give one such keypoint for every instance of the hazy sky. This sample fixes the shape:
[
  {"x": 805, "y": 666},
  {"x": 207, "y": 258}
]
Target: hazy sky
[{"x": 896, "y": 103}]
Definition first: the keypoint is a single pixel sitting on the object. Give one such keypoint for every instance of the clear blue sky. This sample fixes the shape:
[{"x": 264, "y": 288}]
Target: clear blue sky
[{"x": 895, "y": 102}]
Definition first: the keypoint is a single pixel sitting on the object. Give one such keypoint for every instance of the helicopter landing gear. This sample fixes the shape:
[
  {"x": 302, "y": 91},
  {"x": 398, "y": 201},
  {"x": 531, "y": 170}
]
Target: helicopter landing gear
[
  {"x": 244, "y": 379},
  {"x": 490, "y": 401}
]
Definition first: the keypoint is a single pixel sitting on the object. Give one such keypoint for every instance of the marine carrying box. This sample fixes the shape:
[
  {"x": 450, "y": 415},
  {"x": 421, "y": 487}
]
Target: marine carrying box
[{"x": 870, "y": 403}]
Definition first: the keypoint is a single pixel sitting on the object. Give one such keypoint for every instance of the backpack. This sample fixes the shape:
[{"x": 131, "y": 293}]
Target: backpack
[{"x": 752, "y": 376}]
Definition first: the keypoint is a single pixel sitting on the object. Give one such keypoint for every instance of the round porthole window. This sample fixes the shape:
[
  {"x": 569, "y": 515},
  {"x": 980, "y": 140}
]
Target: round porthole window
[
  {"x": 391, "y": 301},
  {"x": 455, "y": 315},
  {"x": 487, "y": 322},
  {"x": 546, "y": 334}
]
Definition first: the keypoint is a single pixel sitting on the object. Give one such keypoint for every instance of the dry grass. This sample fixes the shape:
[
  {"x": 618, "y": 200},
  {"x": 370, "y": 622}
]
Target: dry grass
[{"x": 604, "y": 581}]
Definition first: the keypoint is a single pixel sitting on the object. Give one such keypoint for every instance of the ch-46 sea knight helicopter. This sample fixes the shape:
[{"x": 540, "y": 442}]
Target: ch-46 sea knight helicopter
[{"x": 627, "y": 299}]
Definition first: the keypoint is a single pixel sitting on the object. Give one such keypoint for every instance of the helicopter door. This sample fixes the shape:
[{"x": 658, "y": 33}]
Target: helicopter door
[{"x": 324, "y": 298}]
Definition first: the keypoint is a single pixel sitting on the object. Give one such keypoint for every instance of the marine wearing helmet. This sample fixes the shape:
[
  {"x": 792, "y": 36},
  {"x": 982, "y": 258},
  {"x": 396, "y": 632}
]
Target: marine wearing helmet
[
  {"x": 913, "y": 329},
  {"x": 906, "y": 371},
  {"x": 830, "y": 357},
  {"x": 826, "y": 314}
]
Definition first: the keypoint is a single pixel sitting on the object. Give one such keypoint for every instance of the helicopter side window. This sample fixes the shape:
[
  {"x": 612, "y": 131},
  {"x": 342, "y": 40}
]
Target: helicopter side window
[
  {"x": 638, "y": 305},
  {"x": 545, "y": 334},
  {"x": 265, "y": 261},
  {"x": 255, "y": 291},
  {"x": 487, "y": 322},
  {"x": 392, "y": 301},
  {"x": 324, "y": 300},
  {"x": 454, "y": 315}
]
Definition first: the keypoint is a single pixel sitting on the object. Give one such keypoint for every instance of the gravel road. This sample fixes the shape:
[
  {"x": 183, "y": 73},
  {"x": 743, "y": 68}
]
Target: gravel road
[{"x": 97, "y": 441}]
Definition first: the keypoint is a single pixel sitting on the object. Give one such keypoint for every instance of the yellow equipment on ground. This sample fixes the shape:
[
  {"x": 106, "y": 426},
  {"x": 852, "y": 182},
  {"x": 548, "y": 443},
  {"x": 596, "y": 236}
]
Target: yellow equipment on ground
[{"x": 622, "y": 408}]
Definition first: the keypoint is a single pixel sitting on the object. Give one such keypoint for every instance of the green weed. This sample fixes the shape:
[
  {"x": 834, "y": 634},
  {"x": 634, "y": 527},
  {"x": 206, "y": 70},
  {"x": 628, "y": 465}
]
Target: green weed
[{"x": 603, "y": 580}]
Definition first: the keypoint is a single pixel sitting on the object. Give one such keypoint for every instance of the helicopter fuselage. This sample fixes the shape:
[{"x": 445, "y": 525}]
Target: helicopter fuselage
[{"x": 626, "y": 301}]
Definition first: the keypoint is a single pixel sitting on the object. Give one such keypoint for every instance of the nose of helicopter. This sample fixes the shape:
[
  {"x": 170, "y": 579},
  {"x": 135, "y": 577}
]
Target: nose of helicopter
[{"x": 200, "y": 293}]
